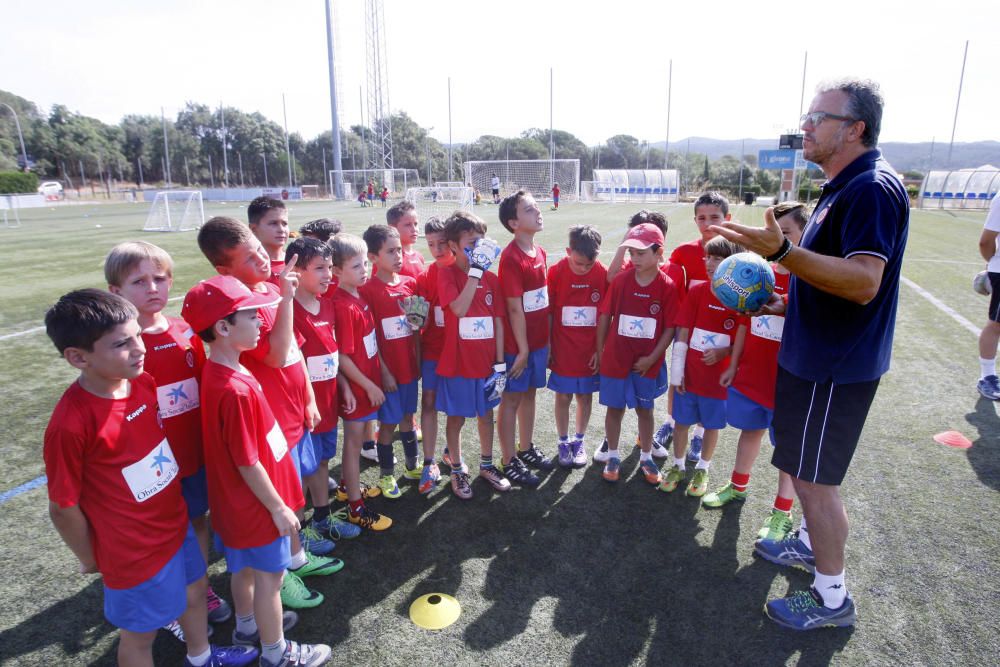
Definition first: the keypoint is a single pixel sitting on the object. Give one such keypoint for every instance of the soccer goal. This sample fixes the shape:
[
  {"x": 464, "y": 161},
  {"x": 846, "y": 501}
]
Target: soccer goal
[
  {"x": 440, "y": 201},
  {"x": 535, "y": 176},
  {"x": 396, "y": 180},
  {"x": 175, "y": 211}
]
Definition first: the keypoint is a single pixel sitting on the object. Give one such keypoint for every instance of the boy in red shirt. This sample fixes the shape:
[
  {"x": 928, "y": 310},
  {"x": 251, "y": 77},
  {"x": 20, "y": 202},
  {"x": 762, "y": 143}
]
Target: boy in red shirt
[
  {"x": 142, "y": 273},
  {"x": 404, "y": 219},
  {"x": 471, "y": 368},
  {"x": 555, "y": 196},
  {"x": 635, "y": 326},
  {"x": 699, "y": 358},
  {"x": 397, "y": 353},
  {"x": 360, "y": 372},
  {"x": 253, "y": 487},
  {"x": 268, "y": 219},
  {"x": 113, "y": 480},
  {"x": 277, "y": 363},
  {"x": 526, "y": 336},
  {"x": 577, "y": 284},
  {"x": 431, "y": 344}
]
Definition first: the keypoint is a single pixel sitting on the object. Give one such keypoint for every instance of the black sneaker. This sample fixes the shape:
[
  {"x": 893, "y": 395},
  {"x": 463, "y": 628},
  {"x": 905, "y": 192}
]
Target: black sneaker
[
  {"x": 518, "y": 473},
  {"x": 536, "y": 458}
]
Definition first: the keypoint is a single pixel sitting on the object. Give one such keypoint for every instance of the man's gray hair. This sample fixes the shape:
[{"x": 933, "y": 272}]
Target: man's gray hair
[{"x": 864, "y": 102}]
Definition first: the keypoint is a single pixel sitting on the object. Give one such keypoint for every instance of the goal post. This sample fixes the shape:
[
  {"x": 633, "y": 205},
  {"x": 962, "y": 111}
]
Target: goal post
[
  {"x": 398, "y": 181},
  {"x": 175, "y": 211},
  {"x": 534, "y": 176},
  {"x": 440, "y": 201}
]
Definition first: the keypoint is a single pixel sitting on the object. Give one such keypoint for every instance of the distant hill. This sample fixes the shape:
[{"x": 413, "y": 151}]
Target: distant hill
[{"x": 921, "y": 156}]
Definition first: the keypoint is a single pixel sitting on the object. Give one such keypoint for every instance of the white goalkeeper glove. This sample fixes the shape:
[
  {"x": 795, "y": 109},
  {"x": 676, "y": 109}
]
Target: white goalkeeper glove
[
  {"x": 481, "y": 256},
  {"x": 496, "y": 383}
]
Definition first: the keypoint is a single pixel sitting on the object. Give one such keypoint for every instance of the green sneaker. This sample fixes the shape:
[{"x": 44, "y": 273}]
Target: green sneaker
[
  {"x": 296, "y": 595},
  {"x": 776, "y": 527},
  {"x": 318, "y": 566},
  {"x": 412, "y": 474},
  {"x": 723, "y": 496},
  {"x": 389, "y": 487},
  {"x": 674, "y": 477},
  {"x": 698, "y": 485}
]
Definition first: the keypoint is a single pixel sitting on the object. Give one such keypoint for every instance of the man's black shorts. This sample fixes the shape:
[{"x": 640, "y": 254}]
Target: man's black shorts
[
  {"x": 817, "y": 426},
  {"x": 995, "y": 297}
]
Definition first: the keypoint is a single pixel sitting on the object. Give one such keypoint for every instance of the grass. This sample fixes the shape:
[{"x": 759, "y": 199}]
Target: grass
[{"x": 578, "y": 571}]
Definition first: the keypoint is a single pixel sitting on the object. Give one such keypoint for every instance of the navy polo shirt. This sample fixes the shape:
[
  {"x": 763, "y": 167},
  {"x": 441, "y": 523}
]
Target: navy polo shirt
[{"x": 864, "y": 210}]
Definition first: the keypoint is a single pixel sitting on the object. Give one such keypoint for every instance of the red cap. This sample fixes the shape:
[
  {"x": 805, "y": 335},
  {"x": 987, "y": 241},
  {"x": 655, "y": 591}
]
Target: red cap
[
  {"x": 211, "y": 300},
  {"x": 643, "y": 236}
]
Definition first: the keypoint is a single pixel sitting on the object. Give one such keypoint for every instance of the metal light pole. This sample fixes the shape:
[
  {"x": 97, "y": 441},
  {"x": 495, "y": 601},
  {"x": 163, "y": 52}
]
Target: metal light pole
[
  {"x": 338, "y": 167},
  {"x": 166, "y": 148},
  {"x": 20, "y": 137},
  {"x": 288, "y": 151},
  {"x": 225, "y": 157},
  {"x": 451, "y": 176}
]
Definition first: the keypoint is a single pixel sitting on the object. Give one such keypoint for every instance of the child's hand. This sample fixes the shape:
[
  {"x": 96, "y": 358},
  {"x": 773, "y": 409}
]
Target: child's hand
[
  {"x": 594, "y": 364},
  {"x": 775, "y": 306},
  {"x": 643, "y": 364},
  {"x": 313, "y": 417},
  {"x": 348, "y": 400},
  {"x": 388, "y": 380},
  {"x": 715, "y": 355},
  {"x": 288, "y": 279},
  {"x": 285, "y": 520},
  {"x": 89, "y": 567},
  {"x": 680, "y": 388},
  {"x": 516, "y": 368},
  {"x": 375, "y": 395},
  {"x": 727, "y": 376}
]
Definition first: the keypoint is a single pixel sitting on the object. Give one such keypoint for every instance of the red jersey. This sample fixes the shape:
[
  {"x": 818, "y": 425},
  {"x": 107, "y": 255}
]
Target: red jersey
[
  {"x": 241, "y": 431},
  {"x": 673, "y": 271},
  {"x": 285, "y": 387},
  {"x": 555, "y": 192},
  {"x": 432, "y": 337},
  {"x": 758, "y": 369},
  {"x": 711, "y": 325},
  {"x": 413, "y": 264},
  {"x": 355, "y": 329},
  {"x": 319, "y": 347},
  {"x": 277, "y": 266},
  {"x": 575, "y": 300},
  {"x": 523, "y": 277},
  {"x": 111, "y": 458},
  {"x": 175, "y": 358},
  {"x": 470, "y": 347},
  {"x": 639, "y": 316},
  {"x": 691, "y": 257},
  {"x": 396, "y": 340}
]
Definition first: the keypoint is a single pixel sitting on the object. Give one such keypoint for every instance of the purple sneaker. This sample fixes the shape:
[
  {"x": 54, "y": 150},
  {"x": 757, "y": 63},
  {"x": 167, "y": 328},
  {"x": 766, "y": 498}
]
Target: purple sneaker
[
  {"x": 579, "y": 453},
  {"x": 565, "y": 455}
]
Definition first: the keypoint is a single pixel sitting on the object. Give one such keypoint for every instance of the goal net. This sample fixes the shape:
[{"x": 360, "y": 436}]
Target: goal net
[
  {"x": 534, "y": 176},
  {"x": 175, "y": 211},
  {"x": 440, "y": 201},
  {"x": 397, "y": 181}
]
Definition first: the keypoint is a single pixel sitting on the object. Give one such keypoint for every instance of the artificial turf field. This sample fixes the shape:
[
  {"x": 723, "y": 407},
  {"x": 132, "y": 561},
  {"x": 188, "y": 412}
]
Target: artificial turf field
[{"x": 578, "y": 571}]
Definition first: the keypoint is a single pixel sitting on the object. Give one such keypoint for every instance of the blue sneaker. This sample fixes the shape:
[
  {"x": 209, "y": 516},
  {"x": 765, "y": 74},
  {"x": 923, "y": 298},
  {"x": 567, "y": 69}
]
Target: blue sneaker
[
  {"x": 790, "y": 552},
  {"x": 229, "y": 656},
  {"x": 694, "y": 451},
  {"x": 315, "y": 543},
  {"x": 337, "y": 527},
  {"x": 663, "y": 435},
  {"x": 804, "y": 610},
  {"x": 989, "y": 387}
]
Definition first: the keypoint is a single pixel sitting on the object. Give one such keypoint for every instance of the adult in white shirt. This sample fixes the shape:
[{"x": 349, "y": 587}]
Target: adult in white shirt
[{"x": 988, "y": 385}]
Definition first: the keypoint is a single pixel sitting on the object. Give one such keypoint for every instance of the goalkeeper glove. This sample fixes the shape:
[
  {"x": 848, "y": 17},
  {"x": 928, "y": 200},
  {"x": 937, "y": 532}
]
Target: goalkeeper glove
[
  {"x": 415, "y": 308},
  {"x": 496, "y": 382},
  {"x": 481, "y": 256}
]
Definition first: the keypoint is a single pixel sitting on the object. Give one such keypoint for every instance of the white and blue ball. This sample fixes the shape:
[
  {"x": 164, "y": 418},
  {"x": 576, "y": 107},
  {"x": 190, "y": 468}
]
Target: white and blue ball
[{"x": 744, "y": 282}]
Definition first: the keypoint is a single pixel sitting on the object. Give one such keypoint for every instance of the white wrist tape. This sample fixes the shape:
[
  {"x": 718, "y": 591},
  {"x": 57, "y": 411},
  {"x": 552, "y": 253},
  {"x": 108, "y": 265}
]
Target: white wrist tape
[
  {"x": 678, "y": 355},
  {"x": 475, "y": 272}
]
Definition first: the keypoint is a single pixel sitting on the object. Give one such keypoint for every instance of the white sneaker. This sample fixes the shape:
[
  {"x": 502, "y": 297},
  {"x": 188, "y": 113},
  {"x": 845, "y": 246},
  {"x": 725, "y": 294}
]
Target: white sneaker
[
  {"x": 601, "y": 454},
  {"x": 659, "y": 451},
  {"x": 372, "y": 455}
]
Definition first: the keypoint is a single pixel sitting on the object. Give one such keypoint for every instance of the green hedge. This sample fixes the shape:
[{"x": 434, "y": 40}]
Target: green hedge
[{"x": 13, "y": 182}]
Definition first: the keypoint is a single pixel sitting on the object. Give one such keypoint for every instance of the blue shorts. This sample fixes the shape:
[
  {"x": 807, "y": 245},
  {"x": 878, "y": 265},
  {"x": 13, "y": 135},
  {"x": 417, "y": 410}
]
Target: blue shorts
[
  {"x": 691, "y": 409},
  {"x": 272, "y": 557},
  {"x": 194, "y": 488},
  {"x": 429, "y": 375},
  {"x": 534, "y": 372},
  {"x": 161, "y": 598},
  {"x": 746, "y": 414},
  {"x": 370, "y": 417},
  {"x": 325, "y": 444},
  {"x": 634, "y": 391},
  {"x": 304, "y": 456},
  {"x": 462, "y": 397},
  {"x": 401, "y": 402},
  {"x": 564, "y": 384}
]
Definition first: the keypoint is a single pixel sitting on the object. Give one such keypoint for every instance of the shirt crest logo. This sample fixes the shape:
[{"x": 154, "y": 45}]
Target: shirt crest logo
[
  {"x": 822, "y": 215},
  {"x": 729, "y": 324},
  {"x": 595, "y": 296},
  {"x": 654, "y": 308}
]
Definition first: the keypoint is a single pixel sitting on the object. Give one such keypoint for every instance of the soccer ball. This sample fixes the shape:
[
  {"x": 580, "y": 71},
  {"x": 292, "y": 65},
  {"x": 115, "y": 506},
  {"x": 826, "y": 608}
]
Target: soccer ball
[{"x": 743, "y": 282}]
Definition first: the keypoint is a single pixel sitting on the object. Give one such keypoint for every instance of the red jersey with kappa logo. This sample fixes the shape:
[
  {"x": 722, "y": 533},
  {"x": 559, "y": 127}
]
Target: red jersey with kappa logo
[
  {"x": 174, "y": 358},
  {"x": 691, "y": 257},
  {"x": 432, "y": 336},
  {"x": 758, "y": 369},
  {"x": 639, "y": 316},
  {"x": 413, "y": 264},
  {"x": 470, "y": 347},
  {"x": 356, "y": 338},
  {"x": 711, "y": 325},
  {"x": 319, "y": 348},
  {"x": 523, "y": 277},
  {"x": 277, "y": 266},
  {"x": 575, "y": 301},
  {"x": 241, "y": 431},
  {"x": 111, "y": 458},
  {"x": 673, "y": 271},
  {"x": 396, "y": 340}
]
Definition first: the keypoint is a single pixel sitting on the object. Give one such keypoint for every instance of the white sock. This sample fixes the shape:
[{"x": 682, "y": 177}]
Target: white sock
[
  {"x": 645, "y": 456},
  {"x": 703, "y": 464},
  {"x": 199, "y": 660},
  {"x": 699, "y": 431},
  {"x": 298, "y": 560},
  {"x": 681, "y": 463},
  {"x": 670, "y": 420},
  {"x": 246, "y": 625},
  {"x": 613, "y": 454},
  {"x": 273, "y": 652},
  {"x": 987, "y": 367},
  {"x": 804, "y": 533},
  {"x": 831, "y": 588}
]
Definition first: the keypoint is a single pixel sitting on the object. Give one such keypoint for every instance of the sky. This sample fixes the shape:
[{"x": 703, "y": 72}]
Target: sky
[{"x": 737, "y": 67}]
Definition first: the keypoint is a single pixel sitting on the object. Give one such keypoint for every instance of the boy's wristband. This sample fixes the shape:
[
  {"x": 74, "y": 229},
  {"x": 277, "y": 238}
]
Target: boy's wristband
[
  {"x": 475, "y": 272},
  {"x": 500, "y": 367}
]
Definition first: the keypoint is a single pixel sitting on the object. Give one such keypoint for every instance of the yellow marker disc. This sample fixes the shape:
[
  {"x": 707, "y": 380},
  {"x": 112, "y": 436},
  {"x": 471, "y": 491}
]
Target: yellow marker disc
[{"x": 435, "y": 611}]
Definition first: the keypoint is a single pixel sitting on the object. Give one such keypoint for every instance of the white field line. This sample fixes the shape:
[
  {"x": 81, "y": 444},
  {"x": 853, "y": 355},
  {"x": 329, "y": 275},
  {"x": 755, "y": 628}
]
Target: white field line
[
  {"x": 942, "y": 306},
  {"x": 18, "y": 334},
  {"x": 942, "y": 261}
]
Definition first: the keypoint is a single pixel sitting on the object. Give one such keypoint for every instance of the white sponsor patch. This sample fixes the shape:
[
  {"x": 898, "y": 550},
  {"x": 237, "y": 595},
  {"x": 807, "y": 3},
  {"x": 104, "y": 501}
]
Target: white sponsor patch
[
  {"x": 475, "y": 328},
  {"x": 276, "y": 440},
  {"x": 438, "y": 316},
  {"x": 396, "y": 327},
  {"x": 767, "y": 326},
  {"x": 323, "y": 367},
  {"x": 177, "y": 398},
  {"x": 703, "y": 341},
  {"x": 632, "y": 326},
  {"x": 579, "y": 316},
  {"x": 294, "y": 355},
  {"x": 371, "y": 345},
  {"x": 536, "y": 299},
  {"x": 152, "y": 473}
]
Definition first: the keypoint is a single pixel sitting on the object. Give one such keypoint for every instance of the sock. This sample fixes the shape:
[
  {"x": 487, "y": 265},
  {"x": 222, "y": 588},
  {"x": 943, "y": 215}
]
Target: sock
[
  {"x": 298, "y": 560},
  {"x": 831, "y": 588},
  {"x": 563, "y": 439},
  {"x": 987, "y": 367},
  {"x": 680, "y": 463},
  {"x": 356, "y": 506},
  {"x": 579, "y": 437},
  {"x": 740, "y": 481},
  {"x": 703, "y": 464},
  {"x": 613, "y": 453},
  {"x": 485, "y": 461},
  {"x": 669, "y": 420},
  {"x": 385, "y": 458},
  {"x": 410, "y": 448},
  {"x": 428, "y": 461},
  {"x": 273, "y": 652},
  {"x": 645, "y": 456},
  {"x": 699, "y": 431},
  {"x": 368, "y": 444},
  {"x": 246, "y": 625},
  {"x": 804, "y": 533},
  {"x": 320, "y": 513},
  {"x": 783, "y": 504},
  {"x": 199, "y": 660}
]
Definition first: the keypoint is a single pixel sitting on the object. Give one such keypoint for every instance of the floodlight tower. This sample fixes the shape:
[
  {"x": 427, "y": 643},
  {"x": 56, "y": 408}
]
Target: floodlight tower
[{"x": 380, "y": 155}]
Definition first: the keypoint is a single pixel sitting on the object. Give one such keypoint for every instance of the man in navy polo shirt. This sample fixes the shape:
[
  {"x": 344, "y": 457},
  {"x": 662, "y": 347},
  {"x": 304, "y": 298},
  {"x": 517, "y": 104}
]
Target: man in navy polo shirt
[{"x": 837, "y": 338}]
